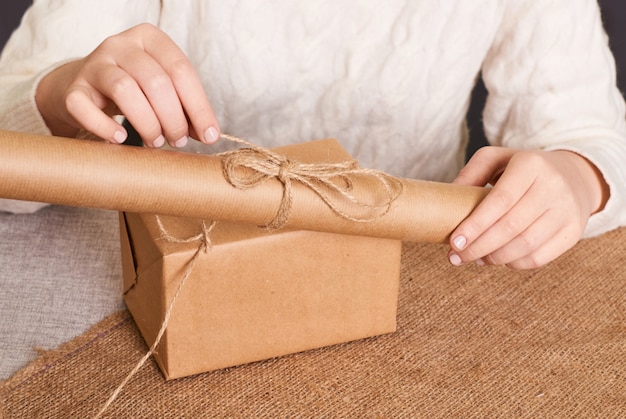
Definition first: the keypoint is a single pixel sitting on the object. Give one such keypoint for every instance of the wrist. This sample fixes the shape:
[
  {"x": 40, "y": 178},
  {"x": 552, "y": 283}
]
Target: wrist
[{"x": 592, "y": 180}]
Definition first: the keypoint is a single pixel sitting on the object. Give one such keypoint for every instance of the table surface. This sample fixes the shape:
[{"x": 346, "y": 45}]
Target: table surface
[
  {"x": 471, "y": 341},
  {"x": 60, "y": 273}
]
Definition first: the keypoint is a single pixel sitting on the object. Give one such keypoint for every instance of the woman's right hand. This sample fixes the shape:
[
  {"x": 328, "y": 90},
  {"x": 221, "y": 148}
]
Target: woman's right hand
[{"x": 140, "y": 73}]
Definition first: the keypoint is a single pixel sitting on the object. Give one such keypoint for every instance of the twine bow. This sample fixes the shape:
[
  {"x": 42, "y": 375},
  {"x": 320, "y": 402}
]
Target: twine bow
[{"x": 327, "y": 180}]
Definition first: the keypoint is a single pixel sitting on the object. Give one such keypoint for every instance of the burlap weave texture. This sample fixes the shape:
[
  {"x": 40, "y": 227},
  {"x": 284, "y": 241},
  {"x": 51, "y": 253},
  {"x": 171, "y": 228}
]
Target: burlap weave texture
[{"x": 471, "y": 342}]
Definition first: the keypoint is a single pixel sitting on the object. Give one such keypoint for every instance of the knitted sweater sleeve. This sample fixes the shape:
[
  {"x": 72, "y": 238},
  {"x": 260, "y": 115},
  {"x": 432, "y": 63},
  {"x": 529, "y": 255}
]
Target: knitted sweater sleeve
[
  {"x": 51, "y": 33},
  {"x": 552, "y": 85}
]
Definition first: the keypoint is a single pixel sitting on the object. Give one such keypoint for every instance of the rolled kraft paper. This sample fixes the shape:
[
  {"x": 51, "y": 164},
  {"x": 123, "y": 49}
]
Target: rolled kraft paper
[{"x": 100, "y": 175}]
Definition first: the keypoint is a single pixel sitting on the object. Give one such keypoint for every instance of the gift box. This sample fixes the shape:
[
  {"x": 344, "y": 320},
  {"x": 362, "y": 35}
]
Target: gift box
[{"x": 251, "y": 294}]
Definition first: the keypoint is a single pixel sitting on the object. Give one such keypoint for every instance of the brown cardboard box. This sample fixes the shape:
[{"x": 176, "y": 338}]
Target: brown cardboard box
[{"x": 253, "y": 294}]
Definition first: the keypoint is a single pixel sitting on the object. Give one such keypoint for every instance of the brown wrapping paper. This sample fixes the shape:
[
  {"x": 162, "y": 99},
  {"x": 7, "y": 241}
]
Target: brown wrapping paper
[
  {"x": 254, "y": 295},
  {"x": 101, "y": 175}
]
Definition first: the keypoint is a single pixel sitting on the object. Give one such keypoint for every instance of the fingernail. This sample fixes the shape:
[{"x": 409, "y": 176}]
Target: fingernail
[
  {"x": 158, "y": 142},
  {"x": 480, "y": 262},
  {"x": 181, "y": 142},
  {"x": 119, "y": 137},
  {"x": 459, "y": 242},
  {"x": 455, "y": 259},
  {"x": 211, "y": 135}
]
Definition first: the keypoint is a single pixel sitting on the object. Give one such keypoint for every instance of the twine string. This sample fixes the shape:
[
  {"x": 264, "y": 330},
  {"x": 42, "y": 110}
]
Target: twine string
[
  {"x": 326, "y": 180},
  {"x": 204, "y": 243}
]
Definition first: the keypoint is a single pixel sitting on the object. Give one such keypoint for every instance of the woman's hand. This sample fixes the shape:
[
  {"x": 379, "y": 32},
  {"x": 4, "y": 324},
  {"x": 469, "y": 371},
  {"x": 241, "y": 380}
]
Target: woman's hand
[
  {"x": 139, "y": 73},
  {"x": 538, "y": 208}
]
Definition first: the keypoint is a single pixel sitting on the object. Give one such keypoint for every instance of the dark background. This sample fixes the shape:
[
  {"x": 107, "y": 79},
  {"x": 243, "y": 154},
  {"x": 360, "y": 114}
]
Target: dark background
[{"x": 613, "y": 12}]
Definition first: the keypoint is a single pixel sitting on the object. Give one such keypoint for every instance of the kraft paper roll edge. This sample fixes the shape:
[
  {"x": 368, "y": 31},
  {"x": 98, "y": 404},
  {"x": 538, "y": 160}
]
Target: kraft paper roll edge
[{"x": 94, "y": 174}]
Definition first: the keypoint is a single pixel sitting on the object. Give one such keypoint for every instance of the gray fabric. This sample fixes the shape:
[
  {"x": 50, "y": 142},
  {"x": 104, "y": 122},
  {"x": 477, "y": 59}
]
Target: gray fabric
[{"x": 60, "y": 273}]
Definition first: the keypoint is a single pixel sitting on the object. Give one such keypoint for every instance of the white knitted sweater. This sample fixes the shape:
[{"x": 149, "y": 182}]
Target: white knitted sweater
[{"x": 390, "y": 80}]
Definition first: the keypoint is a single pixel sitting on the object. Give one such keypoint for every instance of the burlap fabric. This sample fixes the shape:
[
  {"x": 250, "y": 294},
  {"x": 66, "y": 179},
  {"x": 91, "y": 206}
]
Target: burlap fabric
[{"x": 472, "y": 342}]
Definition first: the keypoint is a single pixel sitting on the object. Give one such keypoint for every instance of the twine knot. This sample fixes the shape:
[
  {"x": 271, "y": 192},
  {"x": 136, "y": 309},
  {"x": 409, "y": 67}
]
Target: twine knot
[
  {"x": 203, "y": 238},
  {"x": 286, "y": 168}
]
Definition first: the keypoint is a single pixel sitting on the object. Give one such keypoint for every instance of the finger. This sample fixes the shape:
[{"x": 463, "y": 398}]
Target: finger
[
  {"x": 159, "y": 90},
  {"x": 83, "y": 109},
  {"x": 502, "y": 198},
  {"x": 563, "y": 240},
  {"x": 518, "y": 219},
  {"x": 528, "y": 241},
  {"x": 123, "y": 90},
  {"x": 187, "y": 84},
  {"x": 197, "y": 107}
]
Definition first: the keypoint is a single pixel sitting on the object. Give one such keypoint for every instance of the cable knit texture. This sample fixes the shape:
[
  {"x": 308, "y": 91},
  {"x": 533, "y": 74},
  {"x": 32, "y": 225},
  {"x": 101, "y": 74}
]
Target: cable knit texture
[{"x": 391, "y": 81}]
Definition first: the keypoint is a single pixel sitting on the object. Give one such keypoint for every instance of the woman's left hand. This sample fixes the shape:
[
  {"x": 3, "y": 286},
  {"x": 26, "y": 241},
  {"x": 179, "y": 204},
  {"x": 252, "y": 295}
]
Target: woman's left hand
[{"x": 538, "y": 208}]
